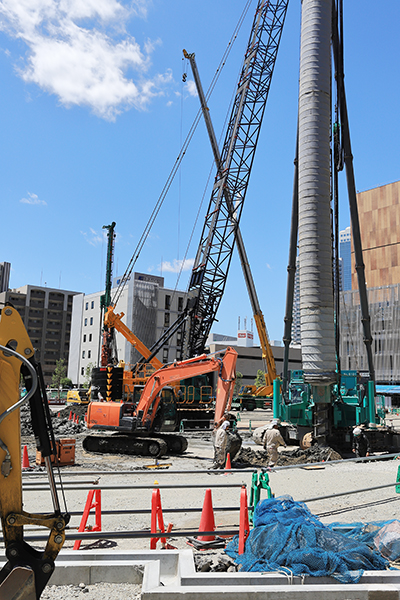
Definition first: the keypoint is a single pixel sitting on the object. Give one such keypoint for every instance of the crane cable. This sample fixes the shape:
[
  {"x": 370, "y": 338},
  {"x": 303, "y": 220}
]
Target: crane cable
[{"x": 178, "y": 161}]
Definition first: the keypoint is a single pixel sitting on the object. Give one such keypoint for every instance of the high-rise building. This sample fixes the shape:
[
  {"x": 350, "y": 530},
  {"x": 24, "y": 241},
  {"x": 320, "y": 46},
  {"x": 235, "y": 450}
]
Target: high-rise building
[
  {"x": 379, "y": 216},
  {"x": 46, "y": 314},
  {"x": 5, "y": 268},
  {"x": 345, "y": 256},
  {"x": 149, "y": 309}
]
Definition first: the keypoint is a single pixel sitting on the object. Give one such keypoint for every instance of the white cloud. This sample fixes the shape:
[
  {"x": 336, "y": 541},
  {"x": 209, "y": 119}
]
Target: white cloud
[
  {"x": 79, "y": 50},
  {"x": 190, "y": 87},
  {"x": 94, "y": 237},
  {"x": 268, "y": 266},
  {"x": 33, "y": 199},
  {"x": 176, "y": 266}
]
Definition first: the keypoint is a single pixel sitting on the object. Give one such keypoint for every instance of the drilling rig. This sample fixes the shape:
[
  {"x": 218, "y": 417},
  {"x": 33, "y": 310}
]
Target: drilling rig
[{"x": 321, "y": 401}]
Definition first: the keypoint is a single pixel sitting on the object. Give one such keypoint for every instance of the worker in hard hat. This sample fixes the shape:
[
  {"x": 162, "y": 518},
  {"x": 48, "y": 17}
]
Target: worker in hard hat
[
  {"x": 272, "y": 441},
  {"x": 360, "y": 443},
  {"x": 220, "y": 441}
]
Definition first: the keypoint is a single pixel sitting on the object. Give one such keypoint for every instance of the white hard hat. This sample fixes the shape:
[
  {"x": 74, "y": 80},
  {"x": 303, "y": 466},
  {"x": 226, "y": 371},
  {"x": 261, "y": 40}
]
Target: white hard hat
[{"x": 357, "y": 431}]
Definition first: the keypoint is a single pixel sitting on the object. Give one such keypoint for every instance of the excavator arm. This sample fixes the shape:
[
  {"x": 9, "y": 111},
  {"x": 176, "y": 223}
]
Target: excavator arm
[
  {"x": 27, "y": 570},
  {"x": 150, "y": 398},
  {"x": 111, "y": 319}
]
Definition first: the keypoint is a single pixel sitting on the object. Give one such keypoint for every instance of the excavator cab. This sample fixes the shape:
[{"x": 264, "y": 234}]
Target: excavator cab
[{"x": 167, "y": 413}]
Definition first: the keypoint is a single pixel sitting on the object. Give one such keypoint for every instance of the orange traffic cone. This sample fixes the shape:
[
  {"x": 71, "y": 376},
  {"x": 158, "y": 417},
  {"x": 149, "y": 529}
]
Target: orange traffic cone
[
  {"x": 70, "y": 416},
  {"x": 59, "y": 414},
  {"x": 207, "y": 522},
  {"x": 228, "y": 461},
  {"x": 25, "y": 459}
]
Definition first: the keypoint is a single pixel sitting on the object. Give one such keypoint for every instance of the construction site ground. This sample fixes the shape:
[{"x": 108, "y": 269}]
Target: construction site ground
[{"x": 301, "y": 483}]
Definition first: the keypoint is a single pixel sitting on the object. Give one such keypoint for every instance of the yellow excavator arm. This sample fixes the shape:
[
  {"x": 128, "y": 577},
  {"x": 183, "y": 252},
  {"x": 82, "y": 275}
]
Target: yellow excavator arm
[{"x": 27, "y": 570}]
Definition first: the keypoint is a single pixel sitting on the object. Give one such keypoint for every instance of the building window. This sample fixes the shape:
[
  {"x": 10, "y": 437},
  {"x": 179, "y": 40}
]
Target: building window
[
  {"x": 92, "y": 305},
  {"x": 166, "y": 320},
  {"x": 86, "y": 305},
  {"x": 90, "y": 337},
  {"x": 178, "y": 354},
  {"x": 84, "y": 337},
  {"x": 85, "y": 322},
  {"x": 165, "y": 355},
  {"x": 167, "y": 302},
  {"x": 83, "y": 354},
  {"x": 91, "y": 320},
  {"x": 82, "y": 370},
  {"x": 89, "y": 353},
  {"x": 180, "y": 304}
]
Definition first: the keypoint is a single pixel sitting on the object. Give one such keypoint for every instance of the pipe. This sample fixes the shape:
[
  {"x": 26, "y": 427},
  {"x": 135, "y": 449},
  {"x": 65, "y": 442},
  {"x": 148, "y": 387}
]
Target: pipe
[{"x": 315, "y": 248}]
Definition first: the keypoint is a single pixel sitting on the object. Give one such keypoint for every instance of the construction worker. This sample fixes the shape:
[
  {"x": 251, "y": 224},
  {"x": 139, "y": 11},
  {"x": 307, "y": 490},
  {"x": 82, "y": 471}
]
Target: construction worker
[
  {"x": 360, "y": 443},
  {"x": 272, "y": 440},
  {"x": 220, "y": 440}
]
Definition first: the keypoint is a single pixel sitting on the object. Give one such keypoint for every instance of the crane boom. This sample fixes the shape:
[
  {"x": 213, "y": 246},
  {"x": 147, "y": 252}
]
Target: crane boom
[
  {"x": 267, "y": 355},
  {"x": 220, "y": 229}
]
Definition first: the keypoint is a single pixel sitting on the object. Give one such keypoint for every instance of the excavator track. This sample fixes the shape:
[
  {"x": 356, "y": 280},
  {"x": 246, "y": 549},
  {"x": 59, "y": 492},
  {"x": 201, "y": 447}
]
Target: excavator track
[
  {"x": 125, "y": 444},
  {"x": 136, "y": 444}
]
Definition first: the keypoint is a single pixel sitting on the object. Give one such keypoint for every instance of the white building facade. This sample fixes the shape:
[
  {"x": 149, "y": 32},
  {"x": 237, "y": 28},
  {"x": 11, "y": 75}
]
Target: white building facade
[{"x": 149, "y": 309}]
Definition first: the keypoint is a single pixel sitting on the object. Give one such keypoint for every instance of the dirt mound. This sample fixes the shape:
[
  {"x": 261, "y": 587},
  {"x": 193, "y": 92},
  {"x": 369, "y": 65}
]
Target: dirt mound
[
  {"x": 311, "y": 455},
  {"x": 253, "y": 458}
]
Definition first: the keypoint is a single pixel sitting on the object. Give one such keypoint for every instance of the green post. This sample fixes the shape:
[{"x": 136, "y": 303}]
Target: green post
[
  {"x": 276, "y": 398},
  {"x": 371, "y": 403},
  {"x": 258, "y": 484},
  {"x": 250, "y": 426},
  {"x": 398, "y": 481}
]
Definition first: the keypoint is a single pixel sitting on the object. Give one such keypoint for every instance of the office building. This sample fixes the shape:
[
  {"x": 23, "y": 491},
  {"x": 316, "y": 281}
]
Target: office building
[
  {"x": 46, "y": 314},
  {"x": 250, "y": 358},
  {"x": 379, "y": 216},
  {"x": 345, "y": 259},
  {"x": 149, "y": 309},
  {"x": 5, "y": 268}
]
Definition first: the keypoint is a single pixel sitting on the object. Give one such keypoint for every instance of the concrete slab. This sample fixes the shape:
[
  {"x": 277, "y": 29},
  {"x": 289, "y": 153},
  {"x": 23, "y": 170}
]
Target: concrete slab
[{"x": 168, "y": 574}]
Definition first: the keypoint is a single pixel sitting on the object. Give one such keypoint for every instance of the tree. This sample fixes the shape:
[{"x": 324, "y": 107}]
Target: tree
[
  {"x": 88, "y": 374},
  {"x": 238, "y": 383},
  {"x": 60, "y": 373},
  {"x": 260, "y": 379},
  {"x": 66, "y": 382}
]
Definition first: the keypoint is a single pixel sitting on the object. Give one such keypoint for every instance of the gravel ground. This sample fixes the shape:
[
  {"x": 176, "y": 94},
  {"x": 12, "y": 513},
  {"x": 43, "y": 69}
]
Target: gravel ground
[
  {"x": 104, "y": 591},
  {"x": 300, "y": 483}
]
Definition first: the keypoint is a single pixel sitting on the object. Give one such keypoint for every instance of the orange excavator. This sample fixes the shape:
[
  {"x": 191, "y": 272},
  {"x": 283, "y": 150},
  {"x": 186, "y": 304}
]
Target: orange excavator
[{"x": 138, "y": 425}]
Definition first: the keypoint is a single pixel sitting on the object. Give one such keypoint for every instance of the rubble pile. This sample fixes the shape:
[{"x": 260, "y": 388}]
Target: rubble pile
[
  {"x": 310, "y": 455},
  {"x": 216, "y": 562},
  {"x": 62, "y": 427},
  {"x": 315, "y": 454}
]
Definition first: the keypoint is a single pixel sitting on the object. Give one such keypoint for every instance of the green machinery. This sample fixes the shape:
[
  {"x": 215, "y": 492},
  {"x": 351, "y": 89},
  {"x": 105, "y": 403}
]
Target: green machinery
[{"x": 351, "y": 403}]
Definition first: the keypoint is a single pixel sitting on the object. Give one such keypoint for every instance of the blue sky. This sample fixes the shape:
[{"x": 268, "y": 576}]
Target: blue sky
[{"x": 93, "y": 111}]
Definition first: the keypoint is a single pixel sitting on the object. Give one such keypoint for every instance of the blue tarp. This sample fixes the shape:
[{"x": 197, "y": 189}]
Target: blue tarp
[{"x": 288, "y": 537}]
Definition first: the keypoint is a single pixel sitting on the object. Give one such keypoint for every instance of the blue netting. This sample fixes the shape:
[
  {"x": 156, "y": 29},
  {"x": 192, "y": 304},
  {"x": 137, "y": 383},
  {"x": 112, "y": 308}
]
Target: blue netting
[
  {"x": 361, "y": 532},
  {"x": 287, "y": 536}
]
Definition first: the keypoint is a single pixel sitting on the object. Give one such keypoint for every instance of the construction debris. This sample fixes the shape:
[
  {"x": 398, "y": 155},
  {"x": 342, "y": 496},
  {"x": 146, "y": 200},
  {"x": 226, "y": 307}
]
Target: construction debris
[{"x": 315, "y": 454}]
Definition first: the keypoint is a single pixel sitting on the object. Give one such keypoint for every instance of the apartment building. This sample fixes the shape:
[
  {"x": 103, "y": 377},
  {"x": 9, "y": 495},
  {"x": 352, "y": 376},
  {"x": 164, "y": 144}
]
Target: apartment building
[
  {"x": 47, "y": 315},
  {"x": 149, "y": 309}
]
